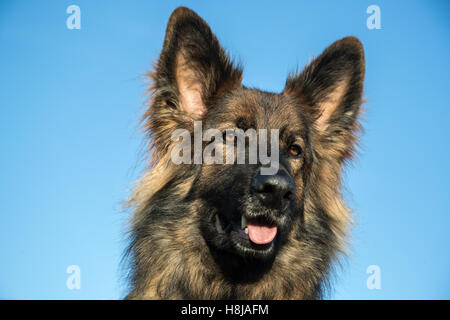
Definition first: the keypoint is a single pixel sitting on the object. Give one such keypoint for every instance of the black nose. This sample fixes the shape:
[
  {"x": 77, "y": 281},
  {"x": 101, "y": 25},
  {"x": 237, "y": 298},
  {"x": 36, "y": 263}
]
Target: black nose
[{"x": 275, "y": 191}]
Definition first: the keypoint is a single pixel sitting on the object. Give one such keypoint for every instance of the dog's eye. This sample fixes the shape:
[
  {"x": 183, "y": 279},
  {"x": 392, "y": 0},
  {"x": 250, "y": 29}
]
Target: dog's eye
[
  {"x": 229, "y": 137},
  {"x": 295, "y": 150}
]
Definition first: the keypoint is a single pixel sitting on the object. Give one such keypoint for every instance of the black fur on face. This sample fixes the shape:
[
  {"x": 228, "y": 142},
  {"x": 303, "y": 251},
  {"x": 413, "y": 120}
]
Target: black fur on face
[
  {"x": 235, "y": 192},
  {"x": 189, "y": 238}
]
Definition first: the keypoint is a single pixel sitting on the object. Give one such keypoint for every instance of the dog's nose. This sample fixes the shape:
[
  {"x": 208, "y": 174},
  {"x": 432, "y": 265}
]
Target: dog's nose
[{"x": 275, "y": 191}]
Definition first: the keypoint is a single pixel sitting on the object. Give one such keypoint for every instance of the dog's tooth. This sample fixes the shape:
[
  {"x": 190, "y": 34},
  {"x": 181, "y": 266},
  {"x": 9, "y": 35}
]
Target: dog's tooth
[
  {"x": 246, "y": 230},
  {"x": 243, "y": 222},
  {"x": 218, "y": 226}
]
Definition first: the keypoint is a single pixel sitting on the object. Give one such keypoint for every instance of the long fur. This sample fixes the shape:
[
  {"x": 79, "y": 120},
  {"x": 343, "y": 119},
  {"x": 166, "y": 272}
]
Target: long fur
[{"x": 169, "y": 255}]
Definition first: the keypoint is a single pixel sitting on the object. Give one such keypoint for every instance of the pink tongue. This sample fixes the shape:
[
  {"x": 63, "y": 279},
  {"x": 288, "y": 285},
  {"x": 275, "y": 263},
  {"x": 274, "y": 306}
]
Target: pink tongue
[{"x": 261, "y": 234}]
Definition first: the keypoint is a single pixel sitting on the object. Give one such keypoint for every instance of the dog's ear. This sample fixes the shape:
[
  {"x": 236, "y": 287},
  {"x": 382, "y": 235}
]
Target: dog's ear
[
  {"x": 330, "y": 88},
  {"x": 193, "y": 69}
]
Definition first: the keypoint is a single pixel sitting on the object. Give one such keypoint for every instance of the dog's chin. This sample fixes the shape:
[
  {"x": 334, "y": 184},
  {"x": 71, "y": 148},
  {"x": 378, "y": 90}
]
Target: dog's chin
[{"x": 237, "y": 238}]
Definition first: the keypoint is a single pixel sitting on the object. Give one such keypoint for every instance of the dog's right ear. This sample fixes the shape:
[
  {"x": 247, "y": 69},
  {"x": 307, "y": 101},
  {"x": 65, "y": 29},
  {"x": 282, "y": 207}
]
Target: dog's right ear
[{"x": 193, "y": 69}]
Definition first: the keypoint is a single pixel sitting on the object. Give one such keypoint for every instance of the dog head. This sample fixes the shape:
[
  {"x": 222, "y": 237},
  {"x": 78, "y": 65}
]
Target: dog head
[{"x": 206, "y": 120}]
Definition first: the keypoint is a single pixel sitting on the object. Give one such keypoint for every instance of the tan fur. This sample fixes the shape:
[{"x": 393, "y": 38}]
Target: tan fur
[{"x": 172, "y": 257}]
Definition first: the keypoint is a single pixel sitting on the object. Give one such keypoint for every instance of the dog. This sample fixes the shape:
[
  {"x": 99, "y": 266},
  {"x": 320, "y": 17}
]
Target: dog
[{"x": 211, "y": 230}]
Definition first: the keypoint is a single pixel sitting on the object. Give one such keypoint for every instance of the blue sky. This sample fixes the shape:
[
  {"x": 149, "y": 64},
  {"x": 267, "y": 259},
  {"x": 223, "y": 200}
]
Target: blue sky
[{"x": 70, "y": 104}]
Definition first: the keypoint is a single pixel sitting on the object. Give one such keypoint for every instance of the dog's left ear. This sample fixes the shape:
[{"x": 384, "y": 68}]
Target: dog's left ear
[{"x": 331, "y": 87}]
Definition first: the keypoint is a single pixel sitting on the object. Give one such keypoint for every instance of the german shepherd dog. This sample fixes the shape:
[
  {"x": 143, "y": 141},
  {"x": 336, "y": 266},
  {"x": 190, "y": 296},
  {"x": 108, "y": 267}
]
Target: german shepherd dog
[{"x": 228, "y": 231}]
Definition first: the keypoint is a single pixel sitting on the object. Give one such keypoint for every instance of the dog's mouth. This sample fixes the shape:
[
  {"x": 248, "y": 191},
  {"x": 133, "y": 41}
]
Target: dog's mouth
[{"x": 255, "y": 234}]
